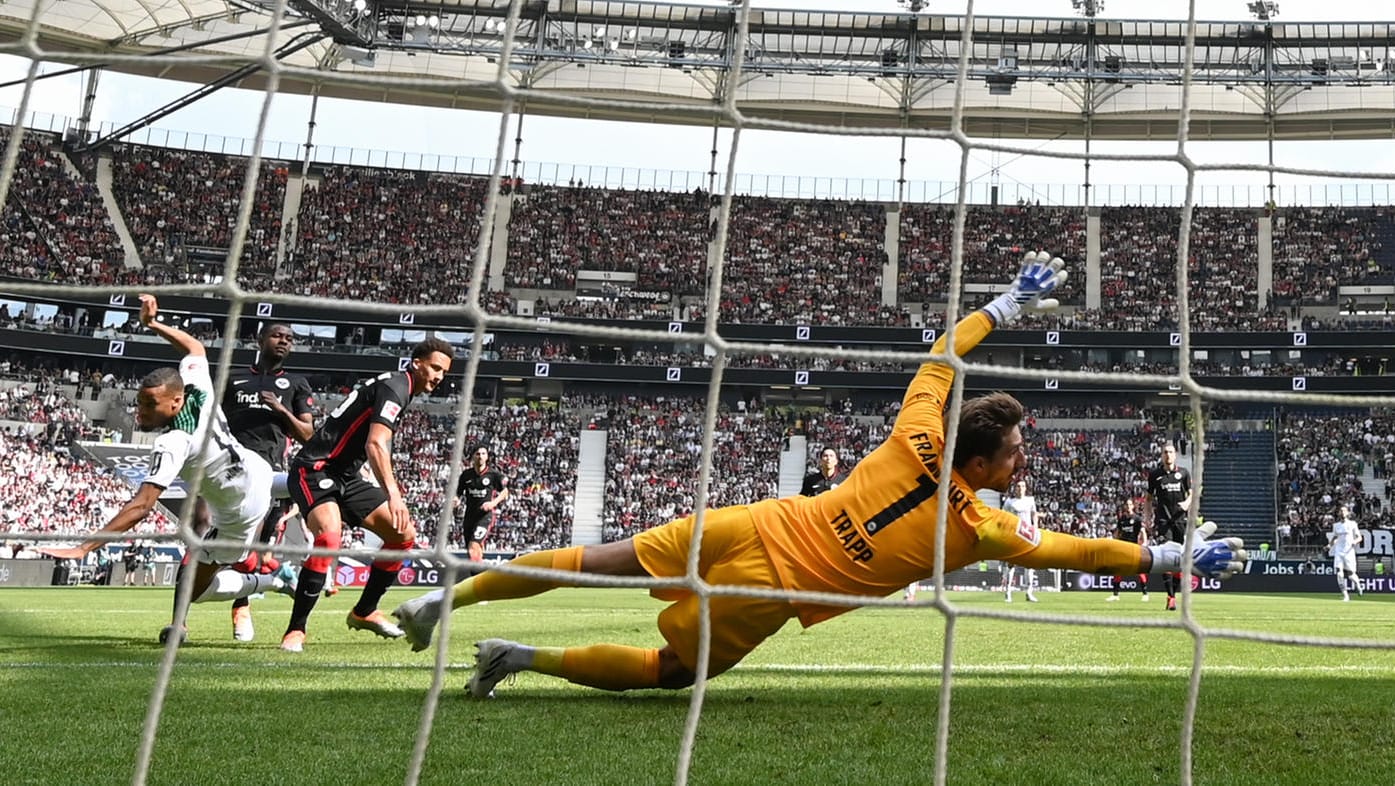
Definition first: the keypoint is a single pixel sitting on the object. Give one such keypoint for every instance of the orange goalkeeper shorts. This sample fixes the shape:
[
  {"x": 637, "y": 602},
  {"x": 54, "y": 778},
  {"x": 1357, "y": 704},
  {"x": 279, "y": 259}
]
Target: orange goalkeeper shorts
[{"x": 732, "y": 554}]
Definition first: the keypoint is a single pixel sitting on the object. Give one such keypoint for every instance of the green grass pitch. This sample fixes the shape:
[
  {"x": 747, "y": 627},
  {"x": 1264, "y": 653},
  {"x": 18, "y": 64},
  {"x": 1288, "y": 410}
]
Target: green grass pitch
[{"x": 852, "y": 701}]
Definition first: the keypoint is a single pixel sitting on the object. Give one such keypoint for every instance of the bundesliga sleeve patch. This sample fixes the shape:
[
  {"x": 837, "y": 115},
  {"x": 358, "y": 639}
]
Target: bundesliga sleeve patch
[
  {"x": 1028, "y": 532},
  {"x": 391, "y": 409}
]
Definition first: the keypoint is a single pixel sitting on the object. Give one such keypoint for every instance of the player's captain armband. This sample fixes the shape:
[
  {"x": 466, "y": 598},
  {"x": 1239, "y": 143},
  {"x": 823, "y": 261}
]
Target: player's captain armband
[
  {"x": 1028, "y": 531},
  {"x": 391, "y": 409}
]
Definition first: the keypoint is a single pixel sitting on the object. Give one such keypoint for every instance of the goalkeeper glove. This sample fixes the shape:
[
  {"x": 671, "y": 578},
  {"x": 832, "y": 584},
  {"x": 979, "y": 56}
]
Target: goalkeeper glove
[
  {"x": 1039, "y": 275},
  {"x": 1211, "y": 559}
]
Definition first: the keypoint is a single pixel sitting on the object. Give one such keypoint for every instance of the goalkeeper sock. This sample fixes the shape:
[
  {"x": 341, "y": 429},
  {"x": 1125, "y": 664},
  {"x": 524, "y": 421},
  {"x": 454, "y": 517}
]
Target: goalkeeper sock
[
  {"x": 604, "y": 666},
  {"x": 495, "y": 585}
]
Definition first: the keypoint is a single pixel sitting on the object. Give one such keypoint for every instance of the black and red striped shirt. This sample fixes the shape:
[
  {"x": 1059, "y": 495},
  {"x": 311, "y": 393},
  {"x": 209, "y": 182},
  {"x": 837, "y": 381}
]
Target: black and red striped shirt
[{"x": 339, "y": 445}]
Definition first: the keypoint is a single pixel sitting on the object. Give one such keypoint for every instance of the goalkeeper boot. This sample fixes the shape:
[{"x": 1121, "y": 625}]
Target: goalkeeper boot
[
  {"x": 242, "y": 623},
  {"x": 179, "y": 631},
  {"x": 418, "y": 618},
  {"x": 495, "y": 659},
  {"x": 376, "y": 622}
]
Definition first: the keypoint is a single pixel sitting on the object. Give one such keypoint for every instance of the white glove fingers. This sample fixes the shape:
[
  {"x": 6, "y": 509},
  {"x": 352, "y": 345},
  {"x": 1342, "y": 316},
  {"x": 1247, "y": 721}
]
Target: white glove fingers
[
  {"x": 1055, "y": 264},
  {"x": 1047, "y": 304},
  {"x": 1061, "y": 276},
  {"x": 1206, "y": 530}
]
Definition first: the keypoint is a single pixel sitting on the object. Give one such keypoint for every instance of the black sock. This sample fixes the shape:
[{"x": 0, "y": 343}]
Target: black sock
[
  {"x": 378, "y": 582},
  {"x": 178, "y": 591},
  {"x": 241, "y": 602},
  {"x": 1169, "y": 584},
  {"x": 307, "y": 593}
]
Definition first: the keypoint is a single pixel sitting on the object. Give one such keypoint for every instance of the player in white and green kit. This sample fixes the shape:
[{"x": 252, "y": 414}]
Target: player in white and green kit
[
  {"x": 1344, "y": 539},
  {"x": 197, "y": 443}
]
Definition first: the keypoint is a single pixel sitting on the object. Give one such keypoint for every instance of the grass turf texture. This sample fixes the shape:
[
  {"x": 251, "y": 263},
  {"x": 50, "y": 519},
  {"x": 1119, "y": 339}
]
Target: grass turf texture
[{"x": 852, "y": 701}]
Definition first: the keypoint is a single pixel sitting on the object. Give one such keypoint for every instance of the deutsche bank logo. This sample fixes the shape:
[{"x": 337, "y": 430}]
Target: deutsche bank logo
[
  {"x": 927, "y": 336},
  {"x": 116, "y": 347},
  {"x": 263, "y": 309},
  {"x": 116, "y": 300},
  {"x": 801, "y": 333},
  {"x": 1175, "y": 340},
  {"x": 674, "y": 374},
  {"x": 1053, "y": 384},
  {"x": 675, "y": 327},
  {"x": 403, "y": 363},
  {"x": 1053, "y": 337},
  {"x": 541, "y": 369},
  {"x": 406, "y": 319},
  {"x": 801, "y": 377},
  {"x": 1300, "y": 339},
  {"x": 1300, "y": 383}
]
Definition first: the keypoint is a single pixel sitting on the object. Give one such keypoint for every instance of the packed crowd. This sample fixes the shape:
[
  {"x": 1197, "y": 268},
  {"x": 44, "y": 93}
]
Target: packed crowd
[
  {"x": 852, "y": 436},
  {"x": 388, "y": 236},
  {"x": 1317, "y": 250},
  {"x": 653, "y": 455},
  {"x": 604, "y": 308},
  {"x": 175, "y": 201},
  {"x": 1080, "y": 478},
  {"x": 805, "y": 262},
  {"x": 54, "y": 226},
  {"x": 660, "y": 236},
  {"x": 1138, "y": 273},
  {"x": 370, "y": 233},
  {"x": 41, "y": 402},
  {"x": 533, "y": 445},
  {"x": 1322, "y": 460},
  {"x": 991, "y": 236},
  {"x": 562, "y": 351},
  {"x": 51, "y": 490}
]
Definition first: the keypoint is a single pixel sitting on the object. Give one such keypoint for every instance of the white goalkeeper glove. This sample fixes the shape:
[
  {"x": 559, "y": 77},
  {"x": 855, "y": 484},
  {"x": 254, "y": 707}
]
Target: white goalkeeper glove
[
  {"x": 1211, "y": 559},
  {"x": 1039, "y": 275}
]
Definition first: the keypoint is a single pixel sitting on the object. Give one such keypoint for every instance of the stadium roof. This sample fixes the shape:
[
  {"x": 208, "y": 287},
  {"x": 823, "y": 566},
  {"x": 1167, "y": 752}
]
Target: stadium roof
[{"x": 1027, "y": 77}]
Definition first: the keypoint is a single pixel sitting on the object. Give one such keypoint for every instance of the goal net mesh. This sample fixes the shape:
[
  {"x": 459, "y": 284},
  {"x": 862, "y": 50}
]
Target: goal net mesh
[{"x": 729, "y": 114}]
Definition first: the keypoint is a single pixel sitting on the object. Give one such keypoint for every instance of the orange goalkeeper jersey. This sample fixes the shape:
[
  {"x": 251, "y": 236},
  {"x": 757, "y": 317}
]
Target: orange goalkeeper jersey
[{"x": 875, "y": 532}]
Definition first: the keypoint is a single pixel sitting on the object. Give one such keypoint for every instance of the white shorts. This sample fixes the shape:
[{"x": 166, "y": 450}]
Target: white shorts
[
  {"x": 1344, "y": 562},
  {"x": 238, "y": 521}
]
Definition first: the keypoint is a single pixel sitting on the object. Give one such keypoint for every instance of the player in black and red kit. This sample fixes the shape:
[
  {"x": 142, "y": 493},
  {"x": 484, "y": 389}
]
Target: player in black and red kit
[
  {"x": 266, "y": 407},
  {"x": 1129, "y": 527},
  {"x": 826, "y": 477},
  {"x": 480, "y": 491},
  {"x": 1170, "y": 488},
  {"x": 325, "y": 482}
]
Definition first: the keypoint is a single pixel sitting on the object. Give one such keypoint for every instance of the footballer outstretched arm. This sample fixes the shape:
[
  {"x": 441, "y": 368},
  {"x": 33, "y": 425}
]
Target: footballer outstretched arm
[{"x": 131, "y": 514}]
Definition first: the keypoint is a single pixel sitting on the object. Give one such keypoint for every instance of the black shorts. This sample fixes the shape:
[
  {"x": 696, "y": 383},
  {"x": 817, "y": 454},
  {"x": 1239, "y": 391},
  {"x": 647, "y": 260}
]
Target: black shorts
[
  {"x": 1173, "y": 531},
  {"x": 476, "y": 527},
  {"x": 356, "y": 497}
]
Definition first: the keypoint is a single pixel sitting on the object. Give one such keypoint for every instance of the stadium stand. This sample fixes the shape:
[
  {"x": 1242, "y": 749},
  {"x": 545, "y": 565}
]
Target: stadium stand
[
  {"x": 181, "y": 208},
  {"x": 54, "y": 226},
  {"x": 387, "y": 235}
]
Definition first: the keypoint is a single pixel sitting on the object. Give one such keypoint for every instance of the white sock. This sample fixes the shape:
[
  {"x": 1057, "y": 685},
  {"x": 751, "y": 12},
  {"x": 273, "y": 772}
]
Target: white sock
[{"x": 230, "y": 585}]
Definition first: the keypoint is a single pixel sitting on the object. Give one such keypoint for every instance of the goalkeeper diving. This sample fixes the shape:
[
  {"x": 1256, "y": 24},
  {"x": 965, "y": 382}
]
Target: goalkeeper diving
[{"x": 871, "y": 536}]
